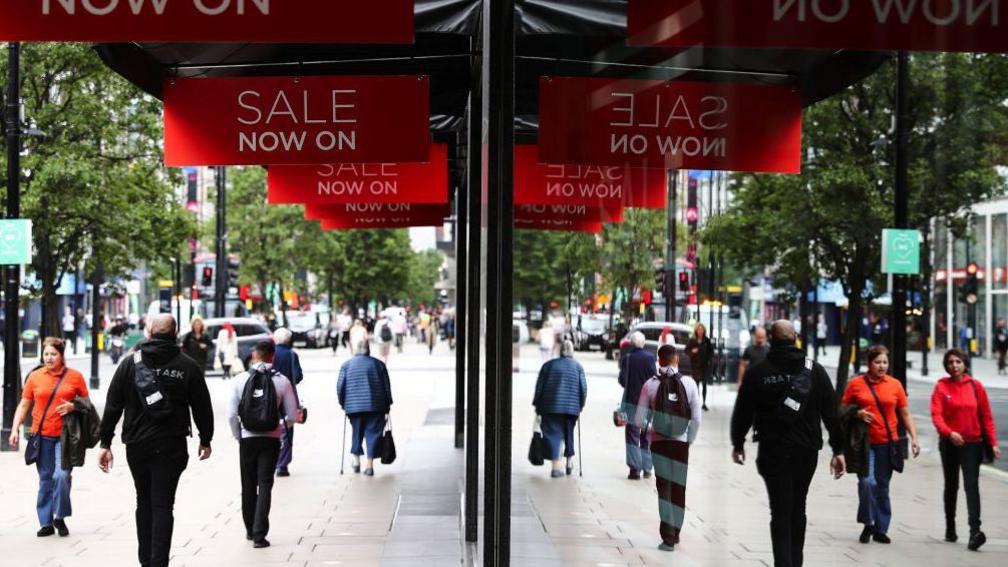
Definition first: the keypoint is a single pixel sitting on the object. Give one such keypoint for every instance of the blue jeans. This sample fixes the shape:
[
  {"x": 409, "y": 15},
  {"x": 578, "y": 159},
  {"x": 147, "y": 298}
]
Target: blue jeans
[
  {"x": 286, "y": 449},
  {"x": 874, "y": 506},
  {"x": 54, "y": 483},
  {"x": 638, "y": 449},
  {"x": 366, "y": 426}
]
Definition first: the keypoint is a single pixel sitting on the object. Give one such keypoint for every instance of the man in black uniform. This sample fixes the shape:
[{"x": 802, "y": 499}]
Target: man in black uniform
[
  {"x": 156, "y": 442},
  {"x": 785, "y": 398}
]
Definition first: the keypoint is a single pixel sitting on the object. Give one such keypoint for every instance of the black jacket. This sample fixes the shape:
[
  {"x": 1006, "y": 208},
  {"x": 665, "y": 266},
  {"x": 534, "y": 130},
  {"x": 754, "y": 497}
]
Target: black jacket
[
  {"x": 191, "y": 346},
  {"x": 182, "y": 381},
  {"x": 80, "y": 432},
  {"x": 856, "y": 443},
  {"x": 764, "y": 390}
]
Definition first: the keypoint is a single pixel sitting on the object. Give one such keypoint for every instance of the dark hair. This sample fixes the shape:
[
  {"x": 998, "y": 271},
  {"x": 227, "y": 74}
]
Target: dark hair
[
  {"x": 666, "y": 353},
  {"x": 265, "y": 349},
  {"x": 875, "y": 352},
  {"x": 958, "y": 353},
  {"x": 55, "y": 342}
]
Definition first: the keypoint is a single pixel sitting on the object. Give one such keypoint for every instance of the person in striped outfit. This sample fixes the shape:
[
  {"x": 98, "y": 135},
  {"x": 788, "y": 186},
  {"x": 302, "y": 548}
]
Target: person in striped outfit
[
  {"x": 670, "y": 409},
  {"x": 560, "y": 395}
]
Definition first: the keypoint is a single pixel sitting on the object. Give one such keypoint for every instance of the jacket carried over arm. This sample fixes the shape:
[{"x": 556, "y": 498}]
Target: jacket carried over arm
[
  {"x": 364, "y": 386},
  {"x": 182, "y": 382},
  {"x": 81, "y": 431},
  {"x": 561, "y": 388}
]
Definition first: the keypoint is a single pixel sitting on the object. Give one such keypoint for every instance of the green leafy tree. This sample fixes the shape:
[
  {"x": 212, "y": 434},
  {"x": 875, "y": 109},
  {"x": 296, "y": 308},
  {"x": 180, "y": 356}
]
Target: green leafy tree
[
  {"x": 550, "y": 265},
  {"x": 92, "y": 182},
  {"x": 424, "y": 273},
  {"x": 629, "y": 251},
  {"x": 368, "y": 265}
]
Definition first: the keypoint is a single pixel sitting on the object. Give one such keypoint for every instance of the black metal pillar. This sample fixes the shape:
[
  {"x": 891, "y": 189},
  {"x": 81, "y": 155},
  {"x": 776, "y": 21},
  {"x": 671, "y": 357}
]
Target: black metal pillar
[
  {"x": 474, "y": 181},
  {"x": 498, "y": 112},
  {"x": 12, "y": 358},
  {"x": 926, "y": 301},
  {"x": 899, "y": 293},
  {"x": 95, "y": 328},
  {"x": 220, "y": 271},
  {"x": 461, "y": 293},
  {"x": 669, "y": 281}
]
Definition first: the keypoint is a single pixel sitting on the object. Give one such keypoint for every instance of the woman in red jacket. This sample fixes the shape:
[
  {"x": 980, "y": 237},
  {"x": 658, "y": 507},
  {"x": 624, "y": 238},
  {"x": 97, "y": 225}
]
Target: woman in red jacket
[{"x": 962, "y": 415}]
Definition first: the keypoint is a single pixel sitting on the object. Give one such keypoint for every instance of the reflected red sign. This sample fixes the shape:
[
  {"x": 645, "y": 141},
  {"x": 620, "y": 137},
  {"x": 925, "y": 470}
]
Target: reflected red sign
[
  {"x": 911, "y": 25},
  {"x": 594, "y": 185},
  {"x": 564, "y": 225},
  {"x": 670, "y": 125},
  {"x": 381, "y": 221},
  {"x": 366, "y": 210},
  {"x": 356, "y": 183},
  {"x": 260, "y": 21},
  {"x": 297, "y": 120},
  {"x": 607, "y": 213}
]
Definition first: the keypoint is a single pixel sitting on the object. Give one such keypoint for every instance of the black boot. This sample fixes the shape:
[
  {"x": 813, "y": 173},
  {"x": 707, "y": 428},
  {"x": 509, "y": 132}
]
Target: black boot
[
  {"x": 950, "y": 533},
  {"x": 976, "y": 540},
  {"x": 866, "y": 534}
]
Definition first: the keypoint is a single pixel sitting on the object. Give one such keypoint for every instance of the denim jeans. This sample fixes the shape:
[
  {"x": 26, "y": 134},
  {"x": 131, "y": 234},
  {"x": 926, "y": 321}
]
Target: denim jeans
[
  {"x": 638, "y": 449},
  {"x": 54, "y": 482},
  {"x": 874, "y": 506},
  {"x": 286, "y": 449}
]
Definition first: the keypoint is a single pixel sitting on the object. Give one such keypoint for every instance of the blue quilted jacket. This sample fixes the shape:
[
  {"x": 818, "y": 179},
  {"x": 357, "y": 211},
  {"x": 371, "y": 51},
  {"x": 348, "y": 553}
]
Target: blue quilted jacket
[
  {"x": 364, "y": 386},
  {"x": 561, "y": 387}
]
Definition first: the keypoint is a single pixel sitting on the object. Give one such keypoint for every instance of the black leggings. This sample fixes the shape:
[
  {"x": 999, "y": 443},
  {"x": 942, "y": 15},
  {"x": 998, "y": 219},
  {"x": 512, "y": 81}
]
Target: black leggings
[{"x": 968, "y": 459}]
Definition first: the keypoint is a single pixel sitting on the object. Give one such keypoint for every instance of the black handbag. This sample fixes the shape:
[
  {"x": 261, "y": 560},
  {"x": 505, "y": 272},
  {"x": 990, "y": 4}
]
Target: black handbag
[
  {"x": 33, "y": 442},
  {"x": 536, "y": 452},
  {"x": 896, "y": 455},
  {"x": 987, "y": 457},
  {"x": 387, "y": 448}
]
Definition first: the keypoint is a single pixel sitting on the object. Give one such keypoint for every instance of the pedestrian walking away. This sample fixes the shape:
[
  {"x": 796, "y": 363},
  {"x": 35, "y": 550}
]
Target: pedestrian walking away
[
  {"x": 754, "y": 353},
  {"x": 637, "y": 366},
  {"x": 50, "y": 391},
  {"x": 261, "y": 407},
  {"x": 1001, "y": 345},
  {"x": 700, "y": 350},
  {"x": 961, "y": 413},
  {"x": 560, "y": 395},
  {"x": 196, "y": 343},
  {"x": 547, "y": 338},
  {"x": 358, "y": 335},
  {"x": 70, "y": 328},
  {"x": 821, "y": 334},
  {"x": 881, "y": 402},
  {"x": 365, "y": 393},
  {"x": 670, "y": 409},
  {"x": 785, "y": 398},
  {"x": 157, "y": 388},
  {"x": 227, "y": 349},
  {"x": 288, "y": 363}
]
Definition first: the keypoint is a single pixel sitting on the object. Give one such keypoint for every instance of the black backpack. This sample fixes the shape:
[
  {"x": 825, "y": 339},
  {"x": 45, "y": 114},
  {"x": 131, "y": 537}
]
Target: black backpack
[
  {"x": 672, "y": 411},
  {"x": 794, "y": 399},
  {"x": 258, "y": 408},
  {"x": 386, "y": 333},
  {"x": 153, "y": 398}
]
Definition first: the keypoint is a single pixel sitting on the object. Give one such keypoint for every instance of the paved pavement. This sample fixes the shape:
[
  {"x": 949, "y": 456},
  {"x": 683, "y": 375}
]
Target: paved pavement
[{"x": 408, "y": 514}]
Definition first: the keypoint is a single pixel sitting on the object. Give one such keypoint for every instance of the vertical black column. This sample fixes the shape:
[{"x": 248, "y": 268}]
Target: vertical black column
[
  {"x": 498, "y": 112},
  {"x": 12, "y": 356},
  {"x": 461, "y": 293},
  {"x": 221, "y": 276},
  {"x": 669, "y": 281},
  {"x": 474, "y": 180},
  {"x": 899, "y": 295},
  {"x": 96, "y": 279}
]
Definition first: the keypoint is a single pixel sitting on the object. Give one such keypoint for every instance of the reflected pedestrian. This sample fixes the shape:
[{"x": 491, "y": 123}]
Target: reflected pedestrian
[
  {"x": 636, "y": 367},
  {"x": 700, "y": 350},
  {"x": 560, "y": 394},
  {"x": 961, "y": 412}
]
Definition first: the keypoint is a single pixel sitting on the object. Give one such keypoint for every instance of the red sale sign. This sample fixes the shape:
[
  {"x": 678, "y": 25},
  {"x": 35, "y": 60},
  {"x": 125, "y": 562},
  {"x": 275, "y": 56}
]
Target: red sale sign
[
  {"x": 297, "y": 120},
  {"x": 366, "y": 210},
  {"x": 889, "y": 25},
  {"x": 362, "y": 182},
  {"x": 594, "y": 185},
  {"x": 670, "y": 125},
  {"x": 259, "y": 21}
]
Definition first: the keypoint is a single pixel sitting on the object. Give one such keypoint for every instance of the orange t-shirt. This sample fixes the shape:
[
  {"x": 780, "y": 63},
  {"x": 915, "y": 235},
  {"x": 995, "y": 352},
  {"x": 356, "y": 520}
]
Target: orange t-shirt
[
  {"x": 890, "y": 394},
  {"x": 39, "y": 387}
]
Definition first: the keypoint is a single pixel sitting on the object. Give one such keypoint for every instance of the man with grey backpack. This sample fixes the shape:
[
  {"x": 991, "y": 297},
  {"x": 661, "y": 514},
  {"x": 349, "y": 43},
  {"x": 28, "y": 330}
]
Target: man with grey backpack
[{"x": 261, "y": 407}]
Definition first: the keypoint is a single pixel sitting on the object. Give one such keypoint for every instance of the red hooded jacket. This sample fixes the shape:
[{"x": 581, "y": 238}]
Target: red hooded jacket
[{"x": 954, "y": 408}]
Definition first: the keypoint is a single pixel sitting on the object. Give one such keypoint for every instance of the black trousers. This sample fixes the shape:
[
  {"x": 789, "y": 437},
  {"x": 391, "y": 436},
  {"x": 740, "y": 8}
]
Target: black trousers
[
  {"x": 787, "y": 472},
  {"x": 258, "y": 456},
  {"x": 156, "y": 467},
  {"x": 968, "y": 459}
]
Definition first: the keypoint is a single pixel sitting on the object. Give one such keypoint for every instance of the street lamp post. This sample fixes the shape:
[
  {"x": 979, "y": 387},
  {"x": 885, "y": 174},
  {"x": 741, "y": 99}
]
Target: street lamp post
[
  {"x": 899, "y": 295},
  {"x": 12, "y": 358}
]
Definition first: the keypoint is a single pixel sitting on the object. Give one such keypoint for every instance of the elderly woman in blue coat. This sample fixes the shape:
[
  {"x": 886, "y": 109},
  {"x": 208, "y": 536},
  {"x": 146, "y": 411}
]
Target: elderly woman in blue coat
[
  {"x": 365, "y": 393},
  {"x": 560, "y": 395}
]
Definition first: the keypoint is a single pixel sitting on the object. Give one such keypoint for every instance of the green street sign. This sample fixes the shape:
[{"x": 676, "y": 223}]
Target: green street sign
[
  {"x": 15, "y": 242},
  {"x": 900, "y": 251}
]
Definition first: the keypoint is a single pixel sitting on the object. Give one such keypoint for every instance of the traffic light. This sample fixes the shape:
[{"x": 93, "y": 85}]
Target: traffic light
[
  {"x": 659, "y": 280},
  {"x": 207, "y": 280},
  {"x": 684, "y": 283},
  {"x": 970, "y": 288},
  {"x": 232, "y": 273}
]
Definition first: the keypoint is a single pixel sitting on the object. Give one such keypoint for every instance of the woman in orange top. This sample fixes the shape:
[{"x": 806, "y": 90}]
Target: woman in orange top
[
  {"x": 53, "y": 504},
  {"x": 874, "y": 507}
]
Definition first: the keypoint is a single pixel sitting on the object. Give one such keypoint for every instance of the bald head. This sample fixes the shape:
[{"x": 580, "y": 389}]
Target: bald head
[
  {"x": 163, "y": 324},
  {"x": 783, "y": 333},
  {"x": 760, "y": 336}
]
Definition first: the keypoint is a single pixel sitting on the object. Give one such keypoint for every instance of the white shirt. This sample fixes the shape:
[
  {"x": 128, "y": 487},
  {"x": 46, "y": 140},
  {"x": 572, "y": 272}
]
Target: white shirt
[
  {"x": 285, "y": 398},
  {"x": 68, "y": 322}
]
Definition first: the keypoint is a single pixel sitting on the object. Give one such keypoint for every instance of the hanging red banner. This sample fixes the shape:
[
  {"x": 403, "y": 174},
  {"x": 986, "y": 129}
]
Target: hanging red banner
[
  {"x": 589, "y": 213},
  {"x": 259, "y": 21},
  {"x": 887, "y": 25},
  {"x": 356, "y": 182},
  {"x": 437, "y": 212},
  {"x": 594, "y": 185},
  {"x": 670, "y": 125},
  {"x": 297, "y": 120},
  {"x": 563, "y": 225},
  {"x": 381, "y": 221}
]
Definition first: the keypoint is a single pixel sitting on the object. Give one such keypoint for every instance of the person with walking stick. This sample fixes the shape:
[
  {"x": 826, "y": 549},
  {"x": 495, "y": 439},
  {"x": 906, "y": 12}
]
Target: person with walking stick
[
  {"x": 560, "y": 395},
  {"x": 365, "y": 392}
]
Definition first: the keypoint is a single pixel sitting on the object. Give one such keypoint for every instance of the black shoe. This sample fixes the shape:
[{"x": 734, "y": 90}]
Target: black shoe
[
  {"x": 950, "y": 534},
  {"x": 705, "y": 408},
  {"x": 45, "y": 531},
  {"x": 866, "y": 534},
  {"x": 647, "y": 474},
  {"x": 282, "y": 472},
  {"x": 977, "y": 539},
  {"x": 248, "y": 536},
  {"x": 666, "y": 546},
  {"x": 634, "y": 475},
  {"x": 261, "y": 543},
  {"x": 61, "y": 527},
  {"x": 570, "y": 471},
  {"x": 368, "y": 472},
  {"x": 881, "y": 538}
]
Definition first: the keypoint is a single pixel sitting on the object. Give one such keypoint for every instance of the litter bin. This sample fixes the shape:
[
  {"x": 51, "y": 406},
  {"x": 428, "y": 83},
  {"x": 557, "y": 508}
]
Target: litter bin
[{"x": 30, "y": 344}]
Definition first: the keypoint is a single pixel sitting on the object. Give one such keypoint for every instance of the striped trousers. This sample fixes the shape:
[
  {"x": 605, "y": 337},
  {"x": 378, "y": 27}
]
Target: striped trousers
[{"x": 671, "y": 461}]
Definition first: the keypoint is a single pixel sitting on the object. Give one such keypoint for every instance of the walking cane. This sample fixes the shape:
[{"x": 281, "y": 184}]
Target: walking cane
[
  {"x": 343, "y": 452},
  {"x": 580, "y": 456}
]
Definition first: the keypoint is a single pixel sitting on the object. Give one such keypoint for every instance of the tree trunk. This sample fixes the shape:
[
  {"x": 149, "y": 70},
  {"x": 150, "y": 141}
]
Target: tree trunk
[
  {"x": 329, "y": 292},
  {"x": 851, "y": 333},
  {"x": 283, "y": 304}
]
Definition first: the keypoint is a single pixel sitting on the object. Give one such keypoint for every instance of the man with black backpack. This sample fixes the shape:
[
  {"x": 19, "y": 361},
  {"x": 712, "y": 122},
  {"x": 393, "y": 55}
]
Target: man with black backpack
[
  {"x": 671, "y": 404},
  {"x": 156, "y": 388},
  {"x": 262, "y": 405},
  {"x": 785, "y": 398}
]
